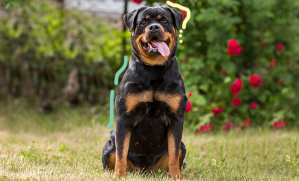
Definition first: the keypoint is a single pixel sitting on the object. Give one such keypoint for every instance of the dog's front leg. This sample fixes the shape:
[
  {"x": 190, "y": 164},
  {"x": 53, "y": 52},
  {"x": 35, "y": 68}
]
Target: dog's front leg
[
  {"x": 122, "y": 140},
  {"x": 174, "y": 137}
]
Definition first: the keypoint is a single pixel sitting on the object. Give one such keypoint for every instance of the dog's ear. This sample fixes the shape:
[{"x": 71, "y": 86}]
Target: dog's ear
[
  {"x": 177, "y": 17},
  {"x": 130, "y": 18}
]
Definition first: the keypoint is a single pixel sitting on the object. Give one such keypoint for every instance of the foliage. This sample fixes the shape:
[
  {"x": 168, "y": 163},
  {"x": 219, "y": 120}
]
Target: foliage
[
  {"x": 258, "y": 26},
  {"x": 11, "y": 4},
  {"x": 51, "y": 40}
]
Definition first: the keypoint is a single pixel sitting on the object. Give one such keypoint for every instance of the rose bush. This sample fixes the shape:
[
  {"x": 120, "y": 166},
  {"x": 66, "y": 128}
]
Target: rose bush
[{"x": 246, "y": 51}]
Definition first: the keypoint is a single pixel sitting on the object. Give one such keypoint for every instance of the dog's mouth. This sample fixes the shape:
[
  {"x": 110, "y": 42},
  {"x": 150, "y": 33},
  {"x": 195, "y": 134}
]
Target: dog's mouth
[{"x": 156, "y": 47}]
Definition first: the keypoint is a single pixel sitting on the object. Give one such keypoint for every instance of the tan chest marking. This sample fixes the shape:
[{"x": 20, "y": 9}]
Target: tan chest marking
[
  {"x": 173, "y": 100},
  {"x": 133, "y": 99}
]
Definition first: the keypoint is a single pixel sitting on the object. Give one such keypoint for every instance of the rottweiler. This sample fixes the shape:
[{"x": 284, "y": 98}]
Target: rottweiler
[{"x": 151, "y": 99}]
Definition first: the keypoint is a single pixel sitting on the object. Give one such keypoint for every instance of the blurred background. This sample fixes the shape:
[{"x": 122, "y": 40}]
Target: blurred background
[{"x": 239, "y": 61}]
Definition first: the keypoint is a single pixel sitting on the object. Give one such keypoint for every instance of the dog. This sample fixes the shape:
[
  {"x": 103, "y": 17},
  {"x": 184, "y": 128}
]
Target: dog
[{"x": 151, "y": 99}]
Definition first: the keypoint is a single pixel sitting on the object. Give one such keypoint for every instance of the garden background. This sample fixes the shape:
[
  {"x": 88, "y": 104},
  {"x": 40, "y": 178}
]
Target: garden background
[
  {"x": 43, "y": 41},
  {"x": 239, "y": 61}
]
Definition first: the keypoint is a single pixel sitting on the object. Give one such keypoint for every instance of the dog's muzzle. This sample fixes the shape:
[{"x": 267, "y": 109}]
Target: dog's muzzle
[{"x": 154, "y": 44}]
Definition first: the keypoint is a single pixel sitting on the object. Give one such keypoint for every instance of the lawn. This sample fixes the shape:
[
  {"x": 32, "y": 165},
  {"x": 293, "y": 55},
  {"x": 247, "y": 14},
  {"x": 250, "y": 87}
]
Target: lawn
[{"x": 67, "y": 145}]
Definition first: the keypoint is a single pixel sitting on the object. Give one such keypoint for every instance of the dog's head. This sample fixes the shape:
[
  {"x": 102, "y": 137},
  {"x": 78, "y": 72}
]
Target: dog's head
[{"x": 153, "y": 30}]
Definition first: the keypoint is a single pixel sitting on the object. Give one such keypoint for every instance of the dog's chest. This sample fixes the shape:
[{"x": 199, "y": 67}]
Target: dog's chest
[{"x": 148, "y": 98}]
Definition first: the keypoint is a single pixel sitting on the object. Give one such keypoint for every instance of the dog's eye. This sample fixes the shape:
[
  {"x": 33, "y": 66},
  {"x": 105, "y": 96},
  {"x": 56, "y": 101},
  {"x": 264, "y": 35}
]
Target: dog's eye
[
  {"x": 143, "y": 22},
  {"x": 164, "y": 21}
]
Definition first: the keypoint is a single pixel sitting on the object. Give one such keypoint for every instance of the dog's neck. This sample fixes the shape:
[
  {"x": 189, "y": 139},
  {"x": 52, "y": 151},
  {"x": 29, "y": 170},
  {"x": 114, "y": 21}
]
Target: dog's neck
[{"x": 170, "y": 59}]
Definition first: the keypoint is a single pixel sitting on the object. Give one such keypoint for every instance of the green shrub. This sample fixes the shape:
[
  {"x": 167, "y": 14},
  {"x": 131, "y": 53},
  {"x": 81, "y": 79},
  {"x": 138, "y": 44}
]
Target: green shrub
[{"x": 52, "y": 41}]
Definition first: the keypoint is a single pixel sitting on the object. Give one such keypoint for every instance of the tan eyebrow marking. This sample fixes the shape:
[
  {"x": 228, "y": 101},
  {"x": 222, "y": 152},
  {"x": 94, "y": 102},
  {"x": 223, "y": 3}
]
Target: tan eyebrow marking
[
  {"x": 160, "y": 16},
  {"x": 147, "y": 17}
]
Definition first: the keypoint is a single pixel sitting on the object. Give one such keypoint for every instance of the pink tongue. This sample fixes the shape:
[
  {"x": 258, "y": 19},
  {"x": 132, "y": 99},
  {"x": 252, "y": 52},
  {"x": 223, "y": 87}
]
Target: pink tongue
[{"x": 162, "y": 48}]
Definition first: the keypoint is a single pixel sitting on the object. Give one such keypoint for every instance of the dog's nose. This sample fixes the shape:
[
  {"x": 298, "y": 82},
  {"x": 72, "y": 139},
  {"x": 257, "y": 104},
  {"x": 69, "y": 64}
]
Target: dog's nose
[{"x": 154, "y": 27}]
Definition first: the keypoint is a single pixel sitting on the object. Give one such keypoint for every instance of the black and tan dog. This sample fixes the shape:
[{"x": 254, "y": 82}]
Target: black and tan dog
[{"x": 151, "y": 100}]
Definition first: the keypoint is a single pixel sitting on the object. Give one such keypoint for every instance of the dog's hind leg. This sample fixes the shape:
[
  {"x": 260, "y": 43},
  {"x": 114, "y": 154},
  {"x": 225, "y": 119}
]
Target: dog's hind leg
[
  {"x": 162, "y": 163},
  {"x": 182, "y": 155},
  {"x": 108, "y": 156}
]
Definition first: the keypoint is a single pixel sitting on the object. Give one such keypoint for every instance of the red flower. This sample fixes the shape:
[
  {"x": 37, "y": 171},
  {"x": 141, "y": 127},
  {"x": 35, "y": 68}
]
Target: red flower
[
  {"x": 236, "y": 87},
  {"x": 244, "y": 125},
  {"x": 234, "y": 48},
  {"x": 280, "y": 82},
  {"x": 137, "y": 1},
  {"x": 236, "y": 101},
  {"x": 253, "y": 105},
  {"x": 204, "y": 128},
  {"x": 184, "y": 14},
  {"x": 279, "y": 46},
  {"x": 273, "y": 63},
  {"x": 279, "y": 124},
  {"x": 228, "y": 126},
  {"x": 190, "y": 94},
  {"x": 223, "y": 71},
  {"x": 188, "y": 107},
  {"x": 256, "y": 81},
  {"x": 184, "y": 60},
  {"x": 247, "y": 122},
  {"x": 233, "y": 43},
  {"x": 217, "y": 111}
]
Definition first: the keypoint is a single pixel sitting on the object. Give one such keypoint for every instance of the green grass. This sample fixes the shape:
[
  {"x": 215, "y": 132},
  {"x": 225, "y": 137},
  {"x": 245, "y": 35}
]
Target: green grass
[{"x": 68, "y": 143}]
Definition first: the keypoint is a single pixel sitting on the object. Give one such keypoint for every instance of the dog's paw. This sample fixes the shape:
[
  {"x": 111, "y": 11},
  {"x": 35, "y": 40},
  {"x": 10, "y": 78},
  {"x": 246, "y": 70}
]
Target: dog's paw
[
  {"x": 121, "y": 174},
  {"x": 176, "y": 175}
]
